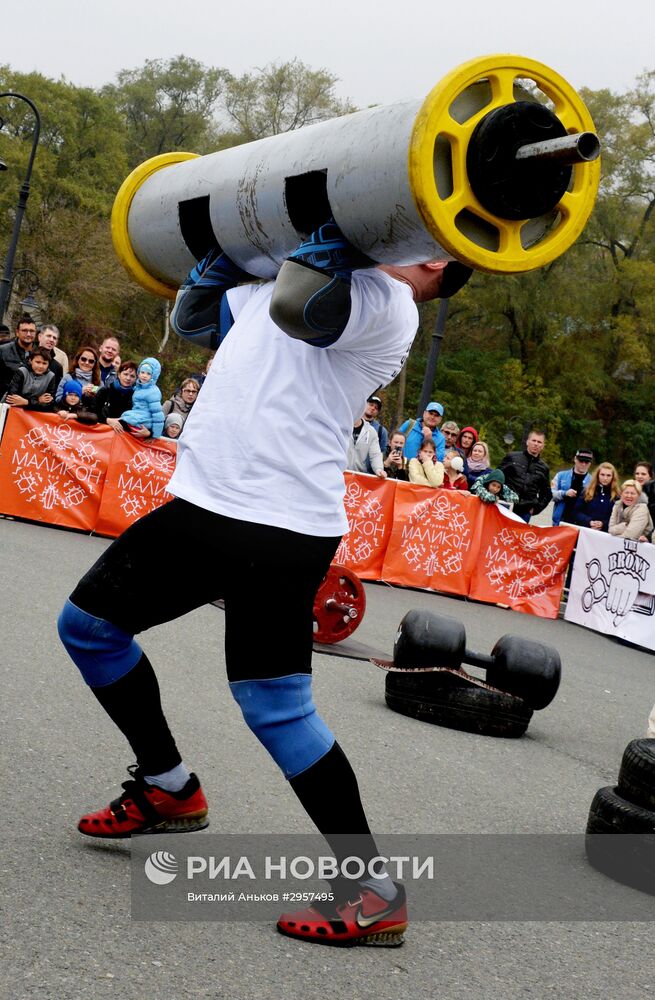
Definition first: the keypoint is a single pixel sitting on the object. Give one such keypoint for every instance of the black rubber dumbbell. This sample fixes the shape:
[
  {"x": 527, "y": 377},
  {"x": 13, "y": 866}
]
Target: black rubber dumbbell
[{"x": 522, "y": 667}]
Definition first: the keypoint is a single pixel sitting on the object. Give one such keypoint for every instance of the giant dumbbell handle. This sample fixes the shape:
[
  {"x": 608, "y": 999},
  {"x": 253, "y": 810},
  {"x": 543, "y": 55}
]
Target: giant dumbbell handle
[{"x": 478, "y": 659}]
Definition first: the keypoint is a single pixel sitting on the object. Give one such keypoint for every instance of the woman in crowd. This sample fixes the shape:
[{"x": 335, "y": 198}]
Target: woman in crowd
[
  {"x": 83, "y": 368},
  {"x": 630, "y": 517},
  {"x": 114, "y": 399},
  {"x": 394, "y": 463},
  {"x": 425, "y": 470},
  {"x": 182, "y": 402},
  {"x": 646, "y": 478},
  {"x": 454, "y": 466},
  {"x": 478, "y": 462},
  {"x": 594, "y": 505},
  {"x": 467, "y": 438}
]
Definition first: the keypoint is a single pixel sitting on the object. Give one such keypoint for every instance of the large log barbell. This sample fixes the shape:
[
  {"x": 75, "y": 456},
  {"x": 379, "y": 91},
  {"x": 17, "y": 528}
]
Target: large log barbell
[
  {"x": 522, "y": 667},
  {"x": 498, "y": 168}
]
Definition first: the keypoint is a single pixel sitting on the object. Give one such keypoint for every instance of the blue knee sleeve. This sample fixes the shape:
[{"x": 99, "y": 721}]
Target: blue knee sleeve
[
  {"x": 282, "y": 715},
  {"x": 103, "y": 652}
]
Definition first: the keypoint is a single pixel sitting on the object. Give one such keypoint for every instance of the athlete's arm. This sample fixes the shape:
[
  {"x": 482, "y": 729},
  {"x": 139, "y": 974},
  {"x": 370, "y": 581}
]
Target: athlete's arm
[
  {"x": 311, "y": 298},
  {"x": 202, "y": 313}
]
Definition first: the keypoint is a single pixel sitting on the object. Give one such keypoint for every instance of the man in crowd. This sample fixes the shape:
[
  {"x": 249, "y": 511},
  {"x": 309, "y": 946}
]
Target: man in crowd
[
  {"x": 424, "y": 429},
  {"x": 372, "y": 412},
  {"x": 364, "y": 453},
  {"x": 324, "y": 335},
  {"x": 47, "y": 337},
  {"x": 51, "y": 331},
  {"x": 5, "y": 333},
  {"x": 17, "y": 351},
  {"x": 568, "y": 485},
  {"x": 450, "y": 431},
  {"x": 107, "y": 355},
  {"x": 528, "y": 476}
]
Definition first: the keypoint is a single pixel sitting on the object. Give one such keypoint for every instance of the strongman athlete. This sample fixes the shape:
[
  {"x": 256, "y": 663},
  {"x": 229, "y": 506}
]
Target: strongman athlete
[{"x": 264, "y": 513}]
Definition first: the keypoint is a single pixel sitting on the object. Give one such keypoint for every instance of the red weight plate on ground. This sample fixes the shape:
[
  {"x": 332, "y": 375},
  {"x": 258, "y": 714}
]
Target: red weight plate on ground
[{"x": 339, "y": 605}]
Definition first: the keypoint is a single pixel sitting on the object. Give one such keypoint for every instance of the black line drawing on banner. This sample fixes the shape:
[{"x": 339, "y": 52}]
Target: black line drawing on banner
[{"x": 619, "y": 585}]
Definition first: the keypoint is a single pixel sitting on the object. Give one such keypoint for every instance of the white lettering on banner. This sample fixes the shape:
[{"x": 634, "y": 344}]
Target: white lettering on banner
[
  {"x": 613, "y": 587},
  {"x": 143, "y": 480},
  {"x": 436, "y": 536},
  {"x": 520, "y": 564},
  {"x": 46, "y": 456},
  {"x": 365, "y": 513}
]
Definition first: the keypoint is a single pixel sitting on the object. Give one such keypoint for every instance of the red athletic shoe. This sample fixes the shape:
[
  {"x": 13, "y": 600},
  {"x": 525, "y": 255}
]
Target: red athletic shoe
[
  {"x": 368, "y": 919},
  {"x": 144, "y": 808}
]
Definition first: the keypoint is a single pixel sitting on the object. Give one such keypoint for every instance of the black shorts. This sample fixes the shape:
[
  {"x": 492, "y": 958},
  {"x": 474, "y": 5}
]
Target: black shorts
[{"x": 181, "y": 556}]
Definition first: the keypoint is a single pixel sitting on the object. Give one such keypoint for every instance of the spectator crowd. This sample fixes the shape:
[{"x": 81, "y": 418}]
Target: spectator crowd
[
  {"x": 97, "y": 387},
  {"x": 445, "y": 456}
]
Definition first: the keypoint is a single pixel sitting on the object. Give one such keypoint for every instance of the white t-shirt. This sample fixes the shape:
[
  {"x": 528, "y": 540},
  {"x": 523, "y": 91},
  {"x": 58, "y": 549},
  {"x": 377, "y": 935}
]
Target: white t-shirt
[{"x": 268, "y": 436}]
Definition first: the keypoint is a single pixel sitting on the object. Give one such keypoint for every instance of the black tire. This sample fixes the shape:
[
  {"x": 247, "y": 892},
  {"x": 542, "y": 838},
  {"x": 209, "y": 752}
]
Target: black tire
[
  {"x": 628, "y": 856},
  {"x": 456, "y": 704},
  {"x": 637, "y": 774}
]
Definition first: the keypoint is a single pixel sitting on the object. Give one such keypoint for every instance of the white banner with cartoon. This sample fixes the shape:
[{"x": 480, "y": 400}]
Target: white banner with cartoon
[{"x": 613, "y": 587}]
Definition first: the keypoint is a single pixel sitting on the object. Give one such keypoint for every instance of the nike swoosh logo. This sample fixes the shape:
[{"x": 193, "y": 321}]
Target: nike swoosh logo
[{"x": 365, "y": 922}]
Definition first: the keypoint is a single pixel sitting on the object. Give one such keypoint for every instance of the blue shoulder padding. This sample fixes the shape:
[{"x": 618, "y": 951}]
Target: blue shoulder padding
[
  {"x": 103, "y": 652},
  {"x": 281, "y": 713}
]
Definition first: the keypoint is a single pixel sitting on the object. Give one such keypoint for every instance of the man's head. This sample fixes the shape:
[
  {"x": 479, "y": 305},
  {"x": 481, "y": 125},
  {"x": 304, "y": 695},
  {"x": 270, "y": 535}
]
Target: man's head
[
  {"x": 582, "y": 460},
  {"x": 433, "y": 280},
  {"x": 535, "y": 443},
  {"x": 5, "y": 333},
  {"x": 26, "y": 332},
  {"x": 433, "y": 415},
  {"x": 109, "y": 348},
  {"x": 373, "y": 408},
  {"x": 450, "y": 430},
  {"x": 48, "y": 336}
]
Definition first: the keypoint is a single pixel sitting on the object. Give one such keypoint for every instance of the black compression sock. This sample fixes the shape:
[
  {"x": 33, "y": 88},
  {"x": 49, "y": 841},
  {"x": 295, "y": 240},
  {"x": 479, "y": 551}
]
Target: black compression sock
[{"x": 134, "y": 704}]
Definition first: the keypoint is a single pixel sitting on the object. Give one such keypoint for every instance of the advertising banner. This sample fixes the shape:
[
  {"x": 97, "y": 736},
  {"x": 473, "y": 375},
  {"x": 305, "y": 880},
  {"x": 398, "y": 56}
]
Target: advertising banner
[
  {"x": 521, "y": 565},
  {"x": 53, "y": 470},
  {"x": 433, "y": 542},
  {"x": 369, "y": 509},
  {"x": 136, "y": 482},
  {"x": 613, "y": 587}
]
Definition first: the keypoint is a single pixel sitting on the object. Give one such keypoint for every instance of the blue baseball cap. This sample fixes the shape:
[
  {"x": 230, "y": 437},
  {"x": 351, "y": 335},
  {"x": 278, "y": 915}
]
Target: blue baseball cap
[{"x": 435, "y": 406}]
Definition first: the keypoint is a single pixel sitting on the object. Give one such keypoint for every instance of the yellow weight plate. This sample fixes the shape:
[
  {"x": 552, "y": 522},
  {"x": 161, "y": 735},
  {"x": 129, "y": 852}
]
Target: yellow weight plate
[
  {"x": 119, "y": 216},
  {"x": 443, "y": 195}
]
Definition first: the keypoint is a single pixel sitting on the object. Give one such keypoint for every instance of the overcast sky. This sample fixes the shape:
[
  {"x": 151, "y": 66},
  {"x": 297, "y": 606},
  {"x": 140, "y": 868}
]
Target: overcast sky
[{"x": 382, "y": 51}]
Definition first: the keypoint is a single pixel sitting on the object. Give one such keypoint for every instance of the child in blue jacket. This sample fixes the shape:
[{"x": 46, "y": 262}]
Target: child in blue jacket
[{"x": 146, "y": 400}]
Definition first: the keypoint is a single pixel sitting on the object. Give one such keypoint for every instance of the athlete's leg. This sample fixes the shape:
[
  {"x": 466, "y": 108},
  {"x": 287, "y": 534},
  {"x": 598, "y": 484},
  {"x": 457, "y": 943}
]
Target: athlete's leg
[
  {"x": 122, "y": 595},
  {"x": 269, "y": 598}
]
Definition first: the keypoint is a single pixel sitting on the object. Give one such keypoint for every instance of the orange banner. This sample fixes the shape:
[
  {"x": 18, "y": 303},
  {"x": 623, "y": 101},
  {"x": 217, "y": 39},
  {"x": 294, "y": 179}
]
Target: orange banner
[
  {"x": 369, "y": 509},
  {"x": 136, "y": 482},
  {"x": 433, "y": 543},
  {"x": 53, "y": 470},
  {"x": 521, "y": 565}
]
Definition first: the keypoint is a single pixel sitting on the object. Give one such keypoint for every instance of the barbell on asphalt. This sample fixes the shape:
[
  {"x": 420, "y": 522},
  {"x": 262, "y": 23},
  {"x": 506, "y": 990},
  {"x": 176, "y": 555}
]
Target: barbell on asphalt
[{"x": 523, "y": 667}]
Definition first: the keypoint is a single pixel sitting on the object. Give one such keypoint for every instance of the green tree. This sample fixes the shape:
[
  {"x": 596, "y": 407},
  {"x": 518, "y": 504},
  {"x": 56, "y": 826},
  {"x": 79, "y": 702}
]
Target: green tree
[
  {"x": 279, "y": 98},
  {"x": 168, "y": 105}
]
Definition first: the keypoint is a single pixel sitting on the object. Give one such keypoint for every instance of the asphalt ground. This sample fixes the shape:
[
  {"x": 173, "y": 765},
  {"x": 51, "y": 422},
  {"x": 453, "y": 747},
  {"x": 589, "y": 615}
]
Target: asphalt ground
[{"x": 67, "y": 931}]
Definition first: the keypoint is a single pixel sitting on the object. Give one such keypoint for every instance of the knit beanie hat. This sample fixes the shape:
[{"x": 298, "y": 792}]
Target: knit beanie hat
[
  {"x": 495, "y": 476},
  {"x": 71, "y": 385},
  {"x": 173, "y": 418}
]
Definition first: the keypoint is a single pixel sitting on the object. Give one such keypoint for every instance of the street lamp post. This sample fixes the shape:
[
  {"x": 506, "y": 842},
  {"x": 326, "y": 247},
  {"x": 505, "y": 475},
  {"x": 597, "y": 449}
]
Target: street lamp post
[{"x": 5, "y": 281}]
